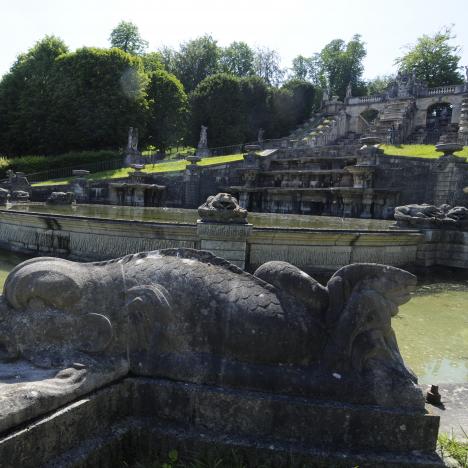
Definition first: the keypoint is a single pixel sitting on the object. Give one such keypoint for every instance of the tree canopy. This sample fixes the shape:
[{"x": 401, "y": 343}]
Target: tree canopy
[
  {"x": 196, "y": 60},
  {"x": 167, "y": 107},
  {"x": 97, "y": 94},
  {"x": 237, "y": 59},
  {"x": 25, "y": 98},
  {"x": 433, "y": 59},
  {"x": 341, "y": 63},
  {"x": 126, "y": 36}
]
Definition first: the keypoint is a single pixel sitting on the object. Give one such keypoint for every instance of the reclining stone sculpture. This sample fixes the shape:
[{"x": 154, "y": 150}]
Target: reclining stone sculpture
[
  {"x": 431, "y": 216},
  {"x": 186, "y": 315}
]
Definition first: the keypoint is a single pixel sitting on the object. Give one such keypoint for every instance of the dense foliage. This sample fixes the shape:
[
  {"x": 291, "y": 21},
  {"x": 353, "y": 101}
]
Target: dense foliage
[
  {"x": 126, "y": 36},
  {"x": 433, "y": 59},
  {"x": 168, "y": 107},
  {"x": 54, "y": 101},
  {"x": 32, "y": 164},
  {"x": 97, "y": 95},
  {"x": 25, "y": 98}
]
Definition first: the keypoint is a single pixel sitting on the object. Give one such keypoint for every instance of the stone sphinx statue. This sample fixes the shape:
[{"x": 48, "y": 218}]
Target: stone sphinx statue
[
  {"x": 222, "y": 208},
  {"x": 431, "y": 216},
  {"x": 189, "y": 316}
]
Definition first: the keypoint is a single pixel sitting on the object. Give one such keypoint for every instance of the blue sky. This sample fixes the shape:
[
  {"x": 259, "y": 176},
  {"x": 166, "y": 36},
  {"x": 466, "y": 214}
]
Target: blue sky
[{"x": 291, "y": 27}]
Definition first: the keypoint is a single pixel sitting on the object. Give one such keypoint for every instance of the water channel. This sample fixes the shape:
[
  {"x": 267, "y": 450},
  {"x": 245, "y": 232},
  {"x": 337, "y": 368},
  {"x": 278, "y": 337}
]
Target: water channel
[
  {"x": 184, "y": 216},
  {"x": 432, "y": 329}
]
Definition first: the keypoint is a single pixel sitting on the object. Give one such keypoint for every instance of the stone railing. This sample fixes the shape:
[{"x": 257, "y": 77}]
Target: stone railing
[
  {"x": 452, "y": 89},
  {"x": 365, "y": 99},
  {"x": 327, "y": 132}
]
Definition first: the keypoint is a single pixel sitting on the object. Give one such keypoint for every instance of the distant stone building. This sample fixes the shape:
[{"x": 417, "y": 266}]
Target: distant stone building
[{"x": 407, "y": 112}]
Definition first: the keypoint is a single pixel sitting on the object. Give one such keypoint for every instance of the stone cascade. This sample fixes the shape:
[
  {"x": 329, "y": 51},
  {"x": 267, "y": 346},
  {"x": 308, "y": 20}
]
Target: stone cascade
[
  {"x": 394, "y": 123},
  {"x": 332, "y": 181},
  {"x": 137, "y": 191}
]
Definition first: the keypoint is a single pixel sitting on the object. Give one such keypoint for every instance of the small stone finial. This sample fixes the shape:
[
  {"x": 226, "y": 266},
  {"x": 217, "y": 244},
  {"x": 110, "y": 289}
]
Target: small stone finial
[{"x": 433, "y": 396}]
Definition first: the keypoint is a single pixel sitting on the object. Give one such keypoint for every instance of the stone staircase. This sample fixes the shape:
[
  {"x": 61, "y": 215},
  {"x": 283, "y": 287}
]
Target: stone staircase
[{"x": 398, "y": 116}]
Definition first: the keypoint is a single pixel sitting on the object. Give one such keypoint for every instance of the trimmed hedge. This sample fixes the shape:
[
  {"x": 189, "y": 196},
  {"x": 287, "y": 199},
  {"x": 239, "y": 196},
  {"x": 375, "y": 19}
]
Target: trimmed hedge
[{"x": 32, "y": 164}]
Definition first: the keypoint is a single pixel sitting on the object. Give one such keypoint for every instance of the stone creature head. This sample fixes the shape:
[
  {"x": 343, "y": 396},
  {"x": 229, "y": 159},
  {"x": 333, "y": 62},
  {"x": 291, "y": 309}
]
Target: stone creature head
[
  {"x": 222, "y": 207},
  {"x": 52, "y": 313},
  {"x": 363, "y": 299}
]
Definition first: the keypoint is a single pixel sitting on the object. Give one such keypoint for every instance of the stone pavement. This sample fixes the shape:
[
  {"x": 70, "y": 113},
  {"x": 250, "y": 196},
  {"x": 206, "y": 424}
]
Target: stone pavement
[{"x": 453, "y": 411}]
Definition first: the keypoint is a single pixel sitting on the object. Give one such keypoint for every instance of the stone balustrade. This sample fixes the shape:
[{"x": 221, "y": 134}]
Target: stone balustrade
[
  {"x": 453, "y": 89},
  {"x": 365, "y": 99}
]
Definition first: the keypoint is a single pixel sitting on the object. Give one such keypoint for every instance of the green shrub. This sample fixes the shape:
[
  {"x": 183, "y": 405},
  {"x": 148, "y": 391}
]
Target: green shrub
[{"x": 32, "y": 164}]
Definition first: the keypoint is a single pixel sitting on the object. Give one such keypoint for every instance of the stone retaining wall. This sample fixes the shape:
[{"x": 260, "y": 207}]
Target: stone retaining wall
[{"x": 86, "y": 239}]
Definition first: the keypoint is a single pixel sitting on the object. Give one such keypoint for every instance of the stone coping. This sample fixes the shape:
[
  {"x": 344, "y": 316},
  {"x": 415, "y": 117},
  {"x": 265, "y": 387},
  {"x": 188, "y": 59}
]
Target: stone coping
[{"x": 392, "y": 232}]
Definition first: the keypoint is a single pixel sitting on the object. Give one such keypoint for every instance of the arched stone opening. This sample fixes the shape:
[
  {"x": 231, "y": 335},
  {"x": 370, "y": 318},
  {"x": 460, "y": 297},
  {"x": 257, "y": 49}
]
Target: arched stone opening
[
  {"x": 370, "y": 115},
  {"x": 438, "y": 119},
  {"x": 366, "y": 120}
]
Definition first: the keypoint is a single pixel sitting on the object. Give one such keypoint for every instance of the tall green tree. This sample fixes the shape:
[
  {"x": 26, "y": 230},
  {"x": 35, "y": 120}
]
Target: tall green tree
[
  {"x": 256, "y": 107},
  {"x": 340, "y": 63},
  {"x": 237, "y": 59},
  {"x": 153, "y": 61},
  {"x": 433, "y": 59},
  {"x": 217, "y": 103},
  {"x": 167, "y": 108},
  {"x": 379, "y": 84},
  {"x": 302, "y": 96},
  {"x": 167, "y": 55},
  {"x": 267, "y": 65},
  {"x": 25, "y": 98},
  {"x": 98, "y": 94},
  {"x": 126, "y": 36},
  {"x": 196, "y": 60}
]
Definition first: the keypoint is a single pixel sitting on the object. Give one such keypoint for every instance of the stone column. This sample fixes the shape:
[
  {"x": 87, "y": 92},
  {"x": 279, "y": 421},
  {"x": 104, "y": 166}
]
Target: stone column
[
  {"x": 463, "y": 125},
  {"x": 450, "y": 175},
  {"x": 192, "y": 182},
  {"x": 367, "y": 201},
  {"x": 223, "y": 229},
  {"x": 80, "y": 185}
]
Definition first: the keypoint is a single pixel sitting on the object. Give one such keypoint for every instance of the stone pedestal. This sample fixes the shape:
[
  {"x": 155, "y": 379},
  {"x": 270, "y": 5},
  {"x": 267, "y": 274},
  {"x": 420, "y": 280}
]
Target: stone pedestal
[
  {"x": 192, "y": 185},
  {"x": 228, "y": 241},
  {"x": 80, "y": 186},
  {"x": 449, "y": 173}
]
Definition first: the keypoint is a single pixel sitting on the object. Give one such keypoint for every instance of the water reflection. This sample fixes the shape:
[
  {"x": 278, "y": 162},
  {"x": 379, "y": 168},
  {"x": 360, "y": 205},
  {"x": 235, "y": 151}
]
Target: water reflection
[{"x": 177, "y": 215}]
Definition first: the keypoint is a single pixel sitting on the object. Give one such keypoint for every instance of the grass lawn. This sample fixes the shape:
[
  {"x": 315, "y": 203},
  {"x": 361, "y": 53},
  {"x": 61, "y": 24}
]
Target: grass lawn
[
  {"x": 419, "y": 151},
  {"x": 453, "y": 448},
  {"x": 161, "y": 167}
]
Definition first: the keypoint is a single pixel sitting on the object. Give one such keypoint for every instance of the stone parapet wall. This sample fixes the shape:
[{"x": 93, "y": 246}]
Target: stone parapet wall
[
  {"x": 244, "y": 245},
  {"x": 88, "y": 238},
  {"x": 330, "y": 250},
  {"x": 443, "y": 248}
]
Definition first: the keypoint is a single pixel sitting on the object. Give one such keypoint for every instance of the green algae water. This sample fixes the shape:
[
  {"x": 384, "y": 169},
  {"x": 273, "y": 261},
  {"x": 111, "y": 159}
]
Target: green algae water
[
  {"x": 432, "y": 329},
  {"x": 8, "y": 261},
  {"x": 432, "y": 332},
  {"x": 185, "y": 216}
]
